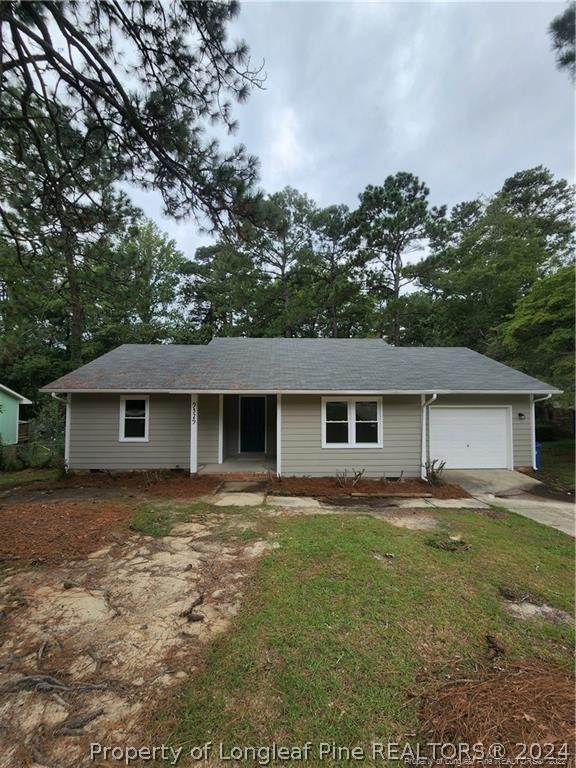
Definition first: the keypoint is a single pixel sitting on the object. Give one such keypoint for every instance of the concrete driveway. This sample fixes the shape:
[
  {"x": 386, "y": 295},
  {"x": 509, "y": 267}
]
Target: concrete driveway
[{"x": 516, "y": 492}]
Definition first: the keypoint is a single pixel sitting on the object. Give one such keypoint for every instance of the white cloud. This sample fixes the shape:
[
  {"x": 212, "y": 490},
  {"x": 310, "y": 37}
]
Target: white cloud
[{"x": 463, "y": 94}]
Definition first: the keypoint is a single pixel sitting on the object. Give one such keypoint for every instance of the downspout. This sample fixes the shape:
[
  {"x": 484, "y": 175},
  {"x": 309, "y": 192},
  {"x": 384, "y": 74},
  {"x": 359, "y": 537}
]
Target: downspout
[
  {"x": 541, "y": 399},
  {"x": 424, "y": 452},
  {"x": 533, "y": 417}
]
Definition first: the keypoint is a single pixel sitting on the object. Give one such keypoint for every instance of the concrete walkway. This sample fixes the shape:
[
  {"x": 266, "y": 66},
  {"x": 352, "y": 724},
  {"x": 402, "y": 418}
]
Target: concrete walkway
[
  {"x": 484, "y": 485},
  {"x": 498, "y": 482},
  {"x": 556, "y": 514},
  {"x": 515, "y": 491}
]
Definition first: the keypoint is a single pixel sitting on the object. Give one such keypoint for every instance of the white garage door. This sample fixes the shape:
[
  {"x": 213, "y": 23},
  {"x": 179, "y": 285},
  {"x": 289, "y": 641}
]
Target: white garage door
[{"x": 471, "y": 438}]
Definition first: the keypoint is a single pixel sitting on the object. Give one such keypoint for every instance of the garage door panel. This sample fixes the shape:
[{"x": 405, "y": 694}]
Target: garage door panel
[{"x": 470, "y": 438}]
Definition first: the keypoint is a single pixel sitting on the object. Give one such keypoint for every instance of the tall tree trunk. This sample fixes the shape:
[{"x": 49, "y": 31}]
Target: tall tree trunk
[
  {"x": 76, "y": 312},
  {"x": 286, "y": 291},
  {"x": 333, "y": 312},
  {"x": 397, "y": 273},
  {"x": 287, "y": 326}
]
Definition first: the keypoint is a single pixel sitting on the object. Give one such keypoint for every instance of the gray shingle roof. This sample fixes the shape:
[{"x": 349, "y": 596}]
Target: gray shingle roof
[{"x": 272, "y": 365}]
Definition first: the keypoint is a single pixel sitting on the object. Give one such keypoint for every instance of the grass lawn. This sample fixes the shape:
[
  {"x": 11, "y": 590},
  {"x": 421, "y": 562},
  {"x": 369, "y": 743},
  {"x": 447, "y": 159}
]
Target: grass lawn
[
  {"x": 25, "y": 476},
  {"x": 557, "y": 464},
  {"x": 335, "y": 644}
]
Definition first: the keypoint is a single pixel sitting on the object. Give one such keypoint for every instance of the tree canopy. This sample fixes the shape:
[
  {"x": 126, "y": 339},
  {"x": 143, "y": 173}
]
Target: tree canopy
[
  {"x": 563, "y": 33},
  {"x": 143, "y": 81}
]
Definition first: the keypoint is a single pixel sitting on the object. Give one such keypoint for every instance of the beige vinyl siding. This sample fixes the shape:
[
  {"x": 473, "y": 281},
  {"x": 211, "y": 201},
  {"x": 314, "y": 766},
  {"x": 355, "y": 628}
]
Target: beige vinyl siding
[
  {"x": 95, "y": 429},
  {"x": 208, "y": 416},
  {"x": 521, "y": 428},
  {"x": 302, "y": 452}
]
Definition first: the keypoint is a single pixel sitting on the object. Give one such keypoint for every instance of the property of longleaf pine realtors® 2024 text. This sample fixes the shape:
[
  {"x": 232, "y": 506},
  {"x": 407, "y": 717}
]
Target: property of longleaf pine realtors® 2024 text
[{"x": 264, "y": 755}]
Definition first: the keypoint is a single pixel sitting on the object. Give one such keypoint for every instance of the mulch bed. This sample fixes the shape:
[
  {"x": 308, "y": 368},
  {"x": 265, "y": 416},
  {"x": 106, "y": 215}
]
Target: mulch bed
[
  {"x": 526, "y": 703},
  {"x": 329, "y": 487},
  {"x": 171, "y": 485},
  {"x": 60, "y": 531},
  {"x": 161, "y": 484}
]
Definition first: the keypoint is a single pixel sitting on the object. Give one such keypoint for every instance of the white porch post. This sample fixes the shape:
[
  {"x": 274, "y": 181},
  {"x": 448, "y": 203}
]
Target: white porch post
[
  {"x": 193, "y": 433},
  {"x": 67, "y": 432},
  {"x": 533, "y": 430},
  {"x": 220, "y": 429},
  {"x": 423, "y": 438},
  {"x": 279, "y": 435}
]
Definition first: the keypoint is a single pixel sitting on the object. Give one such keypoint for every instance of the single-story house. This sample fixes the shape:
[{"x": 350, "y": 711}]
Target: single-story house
[
  {"x": 297, "y": 407},
  {"x": 10, "y": 403}
]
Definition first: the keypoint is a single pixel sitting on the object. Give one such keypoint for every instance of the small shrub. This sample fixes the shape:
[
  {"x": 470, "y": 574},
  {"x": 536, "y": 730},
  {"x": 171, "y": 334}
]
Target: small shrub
[
  {"x": 349, "y": 481},
  {"x": 9, "y": 461},
  {"x": 434, "y": 470},
  {"x": 35, "y": 456}
]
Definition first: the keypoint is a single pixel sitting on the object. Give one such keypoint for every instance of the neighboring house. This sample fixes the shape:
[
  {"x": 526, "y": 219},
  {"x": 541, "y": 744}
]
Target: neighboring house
[
  {"x": 297, "y": 407},
  {"x": 10, "y": 403}
]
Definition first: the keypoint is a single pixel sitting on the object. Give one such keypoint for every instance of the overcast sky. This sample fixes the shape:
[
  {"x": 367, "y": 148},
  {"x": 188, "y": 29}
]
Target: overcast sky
[{"x": 461, "y": 94}]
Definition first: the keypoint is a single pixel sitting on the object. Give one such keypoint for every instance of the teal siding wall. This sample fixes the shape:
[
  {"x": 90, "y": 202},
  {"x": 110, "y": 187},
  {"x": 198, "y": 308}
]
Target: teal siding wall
[{"x": 9, "y": 408}]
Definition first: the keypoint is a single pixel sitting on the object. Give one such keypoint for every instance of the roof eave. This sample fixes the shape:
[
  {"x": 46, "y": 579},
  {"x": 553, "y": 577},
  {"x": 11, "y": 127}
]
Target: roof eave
[{"x": 271, "y": 391}]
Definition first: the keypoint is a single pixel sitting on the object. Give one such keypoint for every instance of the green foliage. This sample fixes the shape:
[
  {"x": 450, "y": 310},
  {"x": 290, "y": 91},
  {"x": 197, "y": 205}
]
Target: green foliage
[
  {"x": 9, "y": 459},
  {"x": 487, "y": 255},
  {"x": 557, "y": 464},
  {"x": 49, "y": 423},
  {"x": 392, "y": 221},
  {"x": 145, "y": 83},
  {"x": 539, "y": 335},
  {"x": 563, "y": 33},
  {"x": 36, "y": 456},
  {"x": 297, "y": 270}
]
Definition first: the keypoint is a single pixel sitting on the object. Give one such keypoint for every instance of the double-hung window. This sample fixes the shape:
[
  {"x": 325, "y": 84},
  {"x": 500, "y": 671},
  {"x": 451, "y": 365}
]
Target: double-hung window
[
  {"x": 134, "y": 417},
  {"x": 351, "y": 422}
]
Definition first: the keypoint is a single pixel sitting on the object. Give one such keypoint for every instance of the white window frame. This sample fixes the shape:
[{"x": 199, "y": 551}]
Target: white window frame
[
  {"x": 351, "y": 402},
  {"x": 121, "y": 436}
]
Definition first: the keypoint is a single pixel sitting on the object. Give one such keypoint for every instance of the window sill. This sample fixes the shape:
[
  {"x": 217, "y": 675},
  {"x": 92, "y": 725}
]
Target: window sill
[
  {"x": 351, "y": 445},
  {"x": 133, "y": 440}
]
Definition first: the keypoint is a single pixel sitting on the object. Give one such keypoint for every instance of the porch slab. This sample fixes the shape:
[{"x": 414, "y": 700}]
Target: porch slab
[
  {"x": 294, "y": 502},
  {"x": 239, "y": 499},
  {"x": 240, "y": 466}
]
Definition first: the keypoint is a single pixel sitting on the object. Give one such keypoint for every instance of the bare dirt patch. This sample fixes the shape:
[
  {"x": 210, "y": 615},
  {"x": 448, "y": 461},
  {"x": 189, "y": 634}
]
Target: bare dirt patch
[
  {"x": 528, "y": 610},
  {"x": 415, "y": 521},
  {"x": 525, "y": 605},
  {"x": 527, "y": 703},
  {"x": 59, "y": 531},
  {"x": 374, "y": 502},
  {"x": 328, "y": 487},
  {"x": 90, "y": 645}
]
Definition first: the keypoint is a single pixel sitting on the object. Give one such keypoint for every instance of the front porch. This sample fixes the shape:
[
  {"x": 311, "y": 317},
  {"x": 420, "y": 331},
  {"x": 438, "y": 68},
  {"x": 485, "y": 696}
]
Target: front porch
[
  {"x": 257, "y": 464},
  {"x": 234, "y": 433}
]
